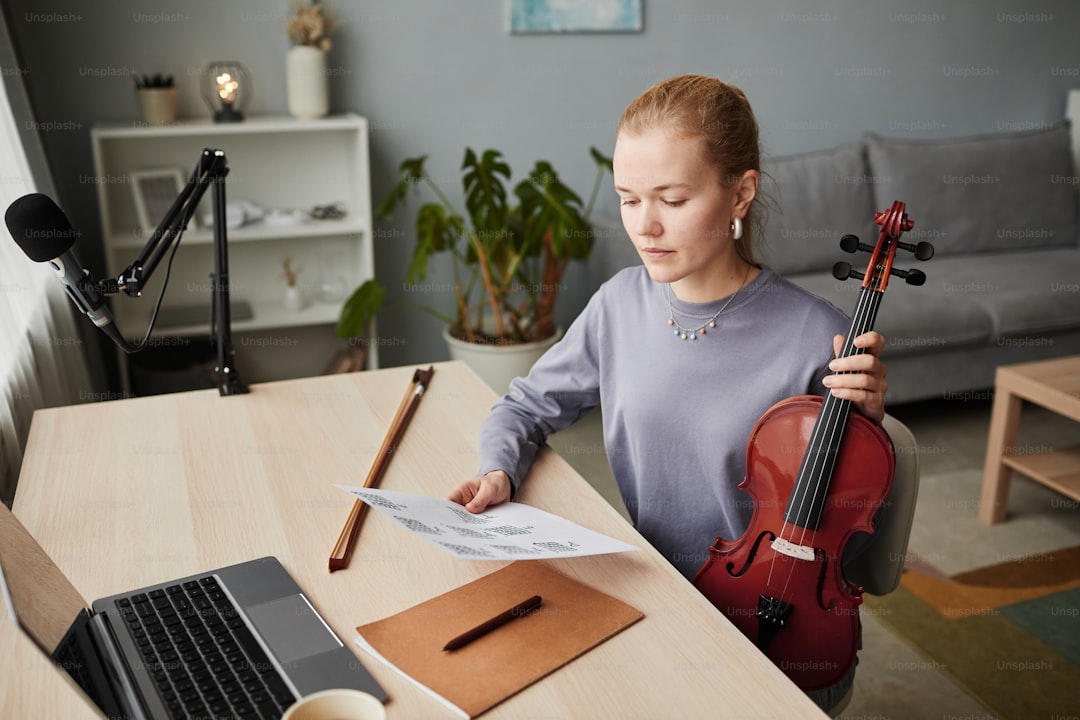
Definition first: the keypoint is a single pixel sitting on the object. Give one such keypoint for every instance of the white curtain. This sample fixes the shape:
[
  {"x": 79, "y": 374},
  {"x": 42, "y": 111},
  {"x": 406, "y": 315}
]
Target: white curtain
[{"x": 43, "y": 359}]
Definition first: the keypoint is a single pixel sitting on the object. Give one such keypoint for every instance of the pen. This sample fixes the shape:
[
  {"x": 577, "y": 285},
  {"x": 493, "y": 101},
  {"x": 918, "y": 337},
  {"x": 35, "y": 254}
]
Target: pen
[{"x": 522, "y": 608}]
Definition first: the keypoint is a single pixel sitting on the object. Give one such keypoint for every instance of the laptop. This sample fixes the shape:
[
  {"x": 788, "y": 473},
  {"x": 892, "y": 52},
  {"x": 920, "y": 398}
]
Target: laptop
[{"x": 240, "y": 641}]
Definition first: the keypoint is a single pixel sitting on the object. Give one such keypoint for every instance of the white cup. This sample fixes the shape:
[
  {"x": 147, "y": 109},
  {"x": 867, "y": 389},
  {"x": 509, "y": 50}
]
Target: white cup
[{"x": 338, "y": 704}]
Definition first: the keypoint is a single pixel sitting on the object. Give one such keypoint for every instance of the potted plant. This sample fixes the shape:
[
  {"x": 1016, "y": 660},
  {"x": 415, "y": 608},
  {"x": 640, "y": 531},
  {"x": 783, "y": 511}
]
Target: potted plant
[
  {"x": 156, "y": 96},
  {"x": 508, "y": 250}
]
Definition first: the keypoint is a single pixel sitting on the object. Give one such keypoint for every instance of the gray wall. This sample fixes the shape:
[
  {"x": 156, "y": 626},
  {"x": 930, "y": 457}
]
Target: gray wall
[{"x": 434, "y": 76}]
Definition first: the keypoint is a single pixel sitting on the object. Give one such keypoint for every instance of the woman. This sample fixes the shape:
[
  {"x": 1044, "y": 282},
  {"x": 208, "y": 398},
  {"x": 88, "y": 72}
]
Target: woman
[{"x": 686, "y": 352}]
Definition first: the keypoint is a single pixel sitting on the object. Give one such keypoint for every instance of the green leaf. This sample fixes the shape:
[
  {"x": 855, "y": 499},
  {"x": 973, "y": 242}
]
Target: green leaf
[
  {"x": 436, "y": 231},
  {"x": 411, "y": 172},
  {"x": 603, "y": 165},
  {"x": 359, "y": 310},
  {"x": 485, "y": 192},
  {"x": 603, "y": 162},
  {"x": 547, "y": 203}
]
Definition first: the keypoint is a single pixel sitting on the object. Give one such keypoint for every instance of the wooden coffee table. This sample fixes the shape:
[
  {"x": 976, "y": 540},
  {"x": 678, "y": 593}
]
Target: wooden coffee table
[{"x": 1054, "y": 385}]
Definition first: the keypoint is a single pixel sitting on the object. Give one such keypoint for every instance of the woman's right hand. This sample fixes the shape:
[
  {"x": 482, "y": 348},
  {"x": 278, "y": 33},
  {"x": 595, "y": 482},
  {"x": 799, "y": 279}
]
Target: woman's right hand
[{"x": 478, "y": 493}]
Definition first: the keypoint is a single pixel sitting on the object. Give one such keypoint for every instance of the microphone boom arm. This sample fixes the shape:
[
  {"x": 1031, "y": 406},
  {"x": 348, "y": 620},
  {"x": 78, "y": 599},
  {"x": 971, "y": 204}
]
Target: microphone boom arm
[{"x": 211, "y": 169}]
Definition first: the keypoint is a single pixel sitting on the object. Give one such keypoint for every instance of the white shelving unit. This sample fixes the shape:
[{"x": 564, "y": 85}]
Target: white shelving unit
[{"x": 278, "y": 164}]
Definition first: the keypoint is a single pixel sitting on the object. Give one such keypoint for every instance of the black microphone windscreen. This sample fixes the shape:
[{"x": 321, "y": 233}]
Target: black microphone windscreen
[{"x": 40, "y": 227}]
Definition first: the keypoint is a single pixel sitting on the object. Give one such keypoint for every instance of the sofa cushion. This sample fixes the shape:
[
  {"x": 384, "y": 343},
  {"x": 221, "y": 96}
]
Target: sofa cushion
[
  {"x": 817, "y": 198},
  {"x": 1004, "y": 191},
  {"x": 1026, "y": 295},
  {"x": 914, "y": 320},
  {"x": 1007, "y": 299}
]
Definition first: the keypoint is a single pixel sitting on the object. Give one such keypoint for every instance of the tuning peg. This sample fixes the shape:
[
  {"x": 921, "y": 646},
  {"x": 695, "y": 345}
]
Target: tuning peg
[
  {"x": 850, "y": 244},
  {"x": 923, "y": 250},
  {"x": 911, "y": 277},
  {"x": 915, "y": 277},
  {"x": 843, "y": 271}
]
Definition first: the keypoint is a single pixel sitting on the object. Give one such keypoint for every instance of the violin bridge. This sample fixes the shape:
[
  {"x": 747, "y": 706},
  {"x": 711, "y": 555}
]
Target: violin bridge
[{"x": 799, "y": 552}]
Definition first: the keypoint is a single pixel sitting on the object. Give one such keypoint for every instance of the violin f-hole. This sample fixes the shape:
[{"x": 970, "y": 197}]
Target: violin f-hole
[
  {"x": 823, "y": 558},
  {"x": 753, "y": 553}
]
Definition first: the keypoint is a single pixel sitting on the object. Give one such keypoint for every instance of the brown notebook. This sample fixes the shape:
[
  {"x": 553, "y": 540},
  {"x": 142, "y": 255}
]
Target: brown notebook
[{"x": 572, "y": 619}]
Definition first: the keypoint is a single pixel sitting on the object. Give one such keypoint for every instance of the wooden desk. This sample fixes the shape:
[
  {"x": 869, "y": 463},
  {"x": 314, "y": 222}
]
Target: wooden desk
[
  {"x": 32, "y": 686},
  {"x": 1053, "y": 384},
  {"x": 131, "y": 492}
]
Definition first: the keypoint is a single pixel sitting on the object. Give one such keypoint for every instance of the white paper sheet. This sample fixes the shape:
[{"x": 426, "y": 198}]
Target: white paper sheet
[{"x": 508, "y": 531}]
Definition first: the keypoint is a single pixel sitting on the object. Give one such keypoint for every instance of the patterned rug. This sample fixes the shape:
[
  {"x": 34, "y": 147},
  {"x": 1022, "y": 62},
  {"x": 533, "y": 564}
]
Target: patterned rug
[{"x": 1009, "y": 634}]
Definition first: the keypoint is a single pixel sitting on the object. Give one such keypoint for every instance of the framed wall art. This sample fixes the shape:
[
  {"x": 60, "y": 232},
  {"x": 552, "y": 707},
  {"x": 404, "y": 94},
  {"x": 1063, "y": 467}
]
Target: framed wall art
[{"x": 574, "y": 16}]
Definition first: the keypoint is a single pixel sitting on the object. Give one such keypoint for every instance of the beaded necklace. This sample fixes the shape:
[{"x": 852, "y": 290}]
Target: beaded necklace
[{"x": 690, "y": 334}]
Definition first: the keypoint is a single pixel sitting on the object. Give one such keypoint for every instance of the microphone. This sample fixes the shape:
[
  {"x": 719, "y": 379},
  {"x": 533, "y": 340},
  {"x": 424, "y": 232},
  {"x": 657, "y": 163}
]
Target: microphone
[{"x": 45, "y": 234}]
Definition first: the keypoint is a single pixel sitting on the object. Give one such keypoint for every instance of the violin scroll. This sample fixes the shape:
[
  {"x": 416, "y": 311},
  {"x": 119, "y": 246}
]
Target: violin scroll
[{"x": 893, "y": 222}]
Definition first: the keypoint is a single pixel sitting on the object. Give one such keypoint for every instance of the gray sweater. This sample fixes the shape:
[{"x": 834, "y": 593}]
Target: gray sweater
[{"x": 677, "y": 413}]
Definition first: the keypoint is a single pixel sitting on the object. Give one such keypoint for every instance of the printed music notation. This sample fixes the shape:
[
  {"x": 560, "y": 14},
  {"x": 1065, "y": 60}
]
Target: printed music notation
[{"x": 509, "y": 531}]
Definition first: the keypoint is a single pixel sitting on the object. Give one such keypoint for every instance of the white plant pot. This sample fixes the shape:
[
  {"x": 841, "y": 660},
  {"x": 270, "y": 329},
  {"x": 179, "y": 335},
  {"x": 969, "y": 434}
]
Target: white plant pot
[
  {"x": 497, "y": 365},
  {"x": 306, "y": 82}
]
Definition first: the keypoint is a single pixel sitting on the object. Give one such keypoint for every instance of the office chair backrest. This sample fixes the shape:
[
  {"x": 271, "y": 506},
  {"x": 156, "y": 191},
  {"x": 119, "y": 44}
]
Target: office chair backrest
[{"x": 877, "y": 568}]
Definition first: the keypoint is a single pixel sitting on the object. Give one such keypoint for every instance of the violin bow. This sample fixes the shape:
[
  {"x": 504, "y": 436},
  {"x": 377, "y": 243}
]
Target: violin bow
[{"x": 339, "y": 558}]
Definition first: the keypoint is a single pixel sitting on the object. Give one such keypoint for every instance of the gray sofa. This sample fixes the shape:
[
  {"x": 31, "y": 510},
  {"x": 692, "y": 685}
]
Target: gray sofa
[{"x": 1001, "y": 212}]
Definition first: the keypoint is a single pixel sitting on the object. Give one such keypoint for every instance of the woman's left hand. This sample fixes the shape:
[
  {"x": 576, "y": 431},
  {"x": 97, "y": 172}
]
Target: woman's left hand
[{"x": 861, "y": 378}]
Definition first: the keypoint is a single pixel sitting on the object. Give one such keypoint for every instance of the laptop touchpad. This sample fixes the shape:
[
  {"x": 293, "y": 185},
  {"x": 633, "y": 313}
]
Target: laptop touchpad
[{"x": 292, "y": 628}]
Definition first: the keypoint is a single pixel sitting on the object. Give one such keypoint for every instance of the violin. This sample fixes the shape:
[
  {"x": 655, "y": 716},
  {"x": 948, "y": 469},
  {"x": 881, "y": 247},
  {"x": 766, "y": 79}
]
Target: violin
[{"x": 782, "y": 582}]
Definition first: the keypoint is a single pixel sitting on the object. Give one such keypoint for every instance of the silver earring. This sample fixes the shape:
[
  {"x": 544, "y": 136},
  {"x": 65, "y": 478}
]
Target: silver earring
[{"x": 736, "y": 228}]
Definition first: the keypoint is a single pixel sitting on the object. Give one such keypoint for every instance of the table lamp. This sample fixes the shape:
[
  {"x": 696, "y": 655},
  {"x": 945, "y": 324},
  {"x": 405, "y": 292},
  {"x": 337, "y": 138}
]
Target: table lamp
[{"x": 226, "y": 89}]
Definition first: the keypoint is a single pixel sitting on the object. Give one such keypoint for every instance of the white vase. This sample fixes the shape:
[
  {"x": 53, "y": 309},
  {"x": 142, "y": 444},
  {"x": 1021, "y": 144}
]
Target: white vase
[
  {"x": 293, "y": 300},
  {"x": 497, "y": 365},
  {"x": 306, "y": 82}
]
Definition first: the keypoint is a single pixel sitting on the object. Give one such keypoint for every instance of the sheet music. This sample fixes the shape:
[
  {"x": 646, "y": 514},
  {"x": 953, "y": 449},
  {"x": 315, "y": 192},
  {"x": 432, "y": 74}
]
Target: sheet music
[{"x": 508, "y": 531}]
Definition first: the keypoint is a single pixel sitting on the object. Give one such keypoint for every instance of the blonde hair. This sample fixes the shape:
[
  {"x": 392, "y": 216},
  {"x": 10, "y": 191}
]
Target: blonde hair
[{"x": 720, "y": 114}]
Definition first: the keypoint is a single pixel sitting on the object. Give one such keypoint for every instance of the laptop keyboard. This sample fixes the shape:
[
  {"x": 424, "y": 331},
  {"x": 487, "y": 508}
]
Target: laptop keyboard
[{"x": 201, "y": 655}]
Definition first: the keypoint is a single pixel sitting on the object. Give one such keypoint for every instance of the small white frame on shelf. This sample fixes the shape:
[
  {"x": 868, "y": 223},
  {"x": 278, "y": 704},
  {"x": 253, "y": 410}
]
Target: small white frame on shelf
[{"x": 154, "y": 192}]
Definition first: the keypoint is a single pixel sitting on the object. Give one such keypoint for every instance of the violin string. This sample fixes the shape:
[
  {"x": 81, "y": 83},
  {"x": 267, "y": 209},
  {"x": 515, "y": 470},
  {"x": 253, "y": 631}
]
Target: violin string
[
  {"x": 816, "y": 439},
  {"x": 833, "y": 415},
  {"x": 817, "y": 442},
  {"x": 833, "y": 421},
  {"x": 837, "y": 411}
]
